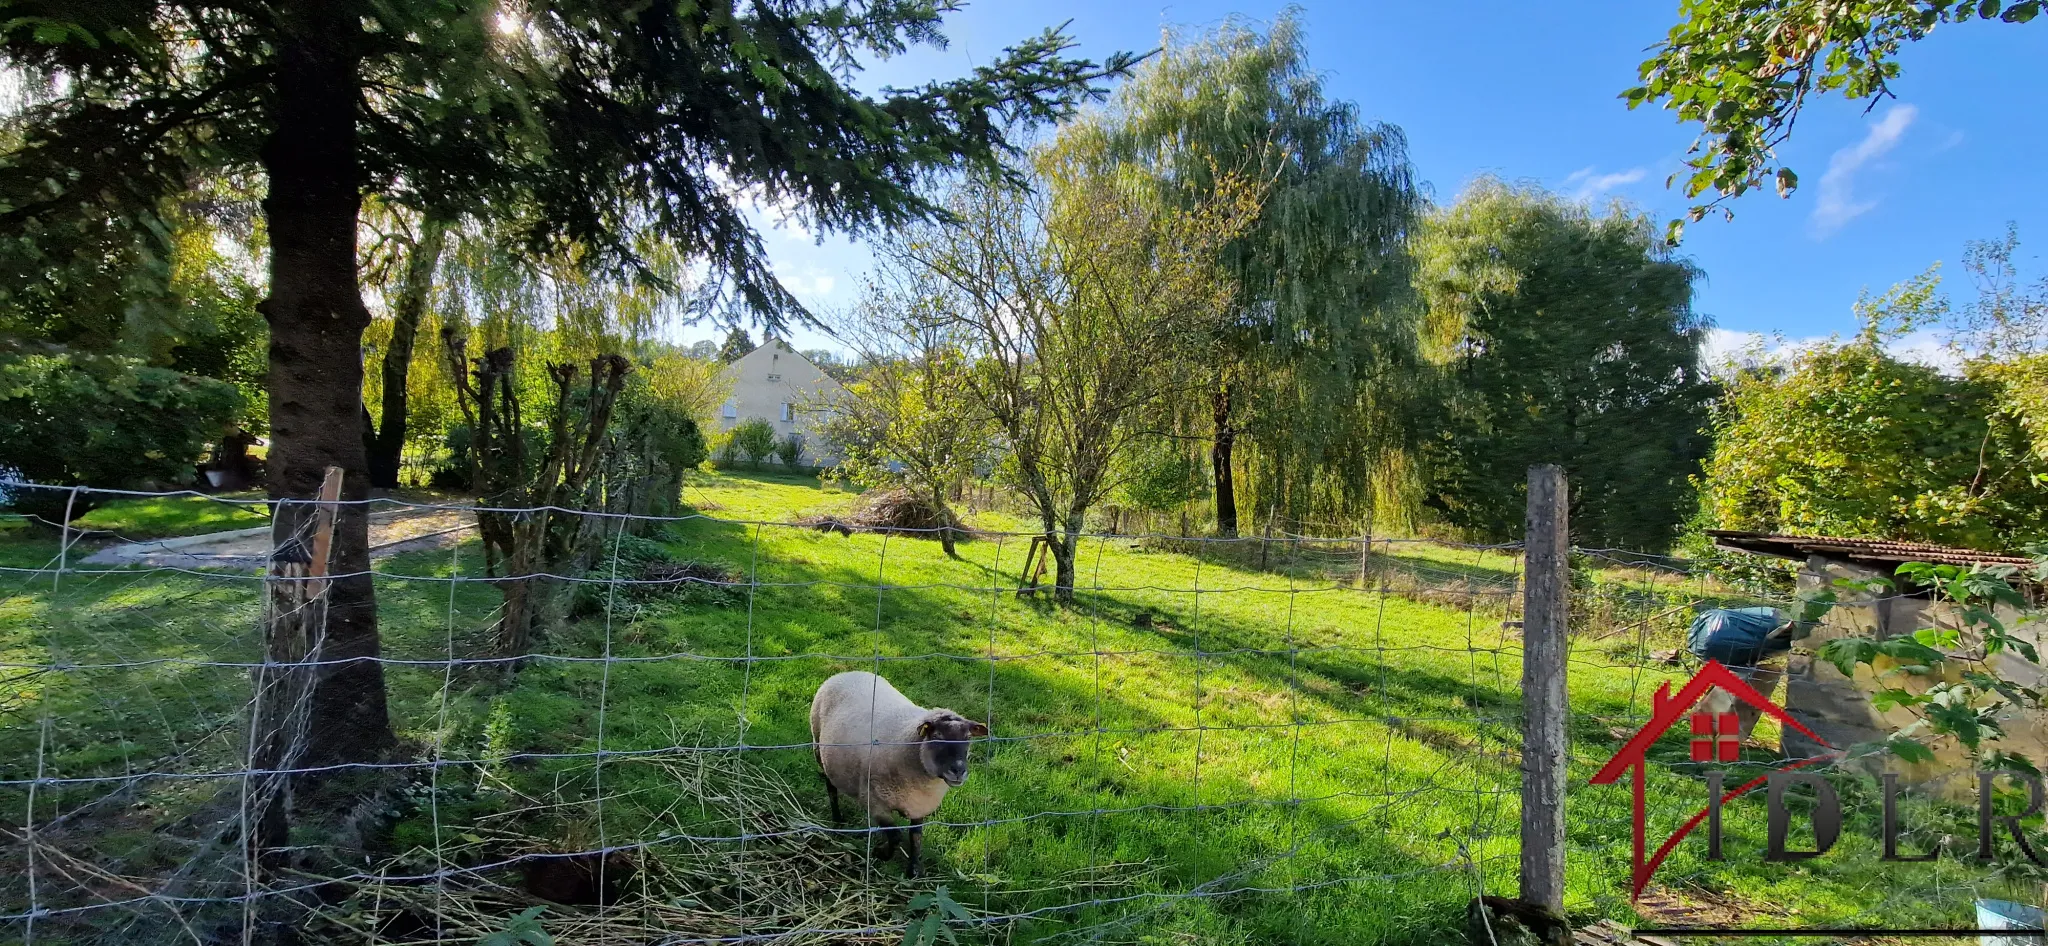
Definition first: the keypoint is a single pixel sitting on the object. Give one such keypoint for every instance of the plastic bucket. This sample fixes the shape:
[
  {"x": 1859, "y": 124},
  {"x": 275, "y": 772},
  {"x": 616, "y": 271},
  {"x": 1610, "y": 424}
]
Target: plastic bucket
[{"x": 2007, "y": 915}]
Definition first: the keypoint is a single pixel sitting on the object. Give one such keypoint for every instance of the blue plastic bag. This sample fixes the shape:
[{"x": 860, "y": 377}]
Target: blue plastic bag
[{"x": 1737, "y": 637}]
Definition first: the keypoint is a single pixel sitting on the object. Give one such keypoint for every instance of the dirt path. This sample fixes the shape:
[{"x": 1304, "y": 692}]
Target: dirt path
[{"x": 391, "y": 532}]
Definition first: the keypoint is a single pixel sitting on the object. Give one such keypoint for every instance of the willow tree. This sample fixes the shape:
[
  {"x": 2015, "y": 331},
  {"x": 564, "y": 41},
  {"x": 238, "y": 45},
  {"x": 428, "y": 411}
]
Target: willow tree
[
  {"x": 1313, "y": 365},
  {"x": 1577, "y": 344},
  {"x": 589, "y": 124}
]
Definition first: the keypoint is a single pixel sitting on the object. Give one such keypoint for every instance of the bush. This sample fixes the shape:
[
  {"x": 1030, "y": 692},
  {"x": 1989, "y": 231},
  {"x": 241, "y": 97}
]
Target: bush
[
  {"x": 104, "y": 421},
  {"x": 790, "y": 450},
  {"x": 453, "y": 471},
  {"x": 754, "y": 439},
  {"x": 1854, "y": 442}
]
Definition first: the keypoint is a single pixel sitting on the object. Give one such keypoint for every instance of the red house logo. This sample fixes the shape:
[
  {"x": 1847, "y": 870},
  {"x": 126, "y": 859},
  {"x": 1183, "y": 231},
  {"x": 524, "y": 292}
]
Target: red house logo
[{"x": 1715, "y": 737}]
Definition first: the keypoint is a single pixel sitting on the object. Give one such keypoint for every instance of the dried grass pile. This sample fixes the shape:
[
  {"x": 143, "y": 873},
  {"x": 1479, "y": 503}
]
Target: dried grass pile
[{"x": 786, "y": 881}]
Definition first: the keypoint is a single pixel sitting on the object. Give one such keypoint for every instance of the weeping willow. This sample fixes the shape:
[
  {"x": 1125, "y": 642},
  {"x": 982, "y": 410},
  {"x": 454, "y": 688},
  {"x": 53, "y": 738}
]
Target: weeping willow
[{"x": 1311, "y": 392}]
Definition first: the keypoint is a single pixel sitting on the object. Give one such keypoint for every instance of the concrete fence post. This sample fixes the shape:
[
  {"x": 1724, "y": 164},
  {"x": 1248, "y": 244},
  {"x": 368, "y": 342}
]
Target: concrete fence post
[{"x": 1546, "y": 608}]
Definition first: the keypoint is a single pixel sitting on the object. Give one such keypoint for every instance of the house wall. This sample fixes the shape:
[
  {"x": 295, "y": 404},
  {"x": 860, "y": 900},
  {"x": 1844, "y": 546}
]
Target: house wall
[
  {"x": 774, "y": 375},
  {"x": 1838, "y": 707}
]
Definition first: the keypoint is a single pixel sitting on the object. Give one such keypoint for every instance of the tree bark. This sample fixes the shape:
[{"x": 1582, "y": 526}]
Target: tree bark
[
  {"x": 1065, "y": 547},
  {"x": 316, "y": 316},
  {"x": 946, "y": 537},
  {"x": 387, "y": 450},
  {"x": 1220, "y": 455}
]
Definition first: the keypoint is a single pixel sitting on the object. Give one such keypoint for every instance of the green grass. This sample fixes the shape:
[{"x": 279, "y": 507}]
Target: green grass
[
  {"x": 1272, "y": 731},
  {"x": 171, "y": 516}
]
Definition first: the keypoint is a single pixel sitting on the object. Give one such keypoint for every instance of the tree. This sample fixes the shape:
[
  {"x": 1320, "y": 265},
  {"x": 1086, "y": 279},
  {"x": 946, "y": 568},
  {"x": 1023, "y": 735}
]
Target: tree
[
  {"x": 1577, "y": 345},
  {"x": 1312, "y": 366},
  {"x": 514, "y": 467},
  {"x": 1743, "y": 69},
  {"x": 737, "y": 345},
  {"x": 418, "y": 245},
  {"x": 1078, "y": 306},
  {"x": 593, "y": 126},
  {"x": 903, "y": 420}
]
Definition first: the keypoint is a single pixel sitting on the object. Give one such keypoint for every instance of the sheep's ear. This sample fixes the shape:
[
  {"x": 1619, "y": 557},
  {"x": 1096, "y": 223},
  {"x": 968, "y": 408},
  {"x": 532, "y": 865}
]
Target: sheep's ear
[
  {"x": 924, "y": 729},
  {"x": 976, "y": 730}
]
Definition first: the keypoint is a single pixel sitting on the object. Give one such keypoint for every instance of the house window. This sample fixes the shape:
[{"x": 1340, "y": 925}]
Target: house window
[
  {"x": 732, "y": 411},
  {"x": 788, "y": 411},
  {"x": 774, "y": 377}
]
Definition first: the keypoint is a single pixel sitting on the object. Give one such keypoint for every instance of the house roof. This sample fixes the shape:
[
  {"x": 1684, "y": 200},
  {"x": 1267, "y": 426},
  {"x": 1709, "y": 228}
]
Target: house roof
[
  {"x": 1882, "y": 552},
  {"x": 1666, "y": 709}
]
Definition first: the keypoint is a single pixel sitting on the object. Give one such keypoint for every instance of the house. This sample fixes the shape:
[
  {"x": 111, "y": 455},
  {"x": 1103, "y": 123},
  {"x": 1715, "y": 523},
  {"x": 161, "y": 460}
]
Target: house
[
  {"x": 786, "y": 389},
  {"x": 1839, "y": 707}
]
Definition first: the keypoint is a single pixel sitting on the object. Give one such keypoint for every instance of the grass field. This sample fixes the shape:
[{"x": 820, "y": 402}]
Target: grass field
[{"x": 1322, "y": 764}]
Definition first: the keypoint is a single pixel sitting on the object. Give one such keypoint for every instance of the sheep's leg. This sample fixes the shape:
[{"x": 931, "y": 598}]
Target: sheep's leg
[
  {"x": 886, "y": 849},
  {"x": 915, "y": 847},
  {"x": 832, "y": 792}
]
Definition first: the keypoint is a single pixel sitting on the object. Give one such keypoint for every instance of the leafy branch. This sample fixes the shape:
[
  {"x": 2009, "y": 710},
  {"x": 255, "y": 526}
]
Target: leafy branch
[
  {"x": 1944, "y": 677},
  {"x": 931, "y": 918}
]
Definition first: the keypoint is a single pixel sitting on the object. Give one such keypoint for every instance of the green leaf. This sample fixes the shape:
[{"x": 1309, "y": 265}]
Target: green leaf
[
  {"x": 1892, "y": 698},
  {"x": 1937, "y": 637},
  {"x": 1846, "y": 652},
  {"x": 1987, "y": 9},
  {"x": 1911, "y": 653},
  {"x": 1787, "y": 182},
  {"x": 1909, "y": 749}
]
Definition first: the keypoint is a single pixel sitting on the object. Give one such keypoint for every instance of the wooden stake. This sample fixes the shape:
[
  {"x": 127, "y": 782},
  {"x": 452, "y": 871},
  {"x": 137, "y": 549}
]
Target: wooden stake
[{"x": 323, "y": 529}]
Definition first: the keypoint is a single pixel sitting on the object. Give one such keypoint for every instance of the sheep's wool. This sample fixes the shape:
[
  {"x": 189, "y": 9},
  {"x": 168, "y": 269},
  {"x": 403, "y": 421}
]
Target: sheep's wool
[{"x": 866, "y": 734}]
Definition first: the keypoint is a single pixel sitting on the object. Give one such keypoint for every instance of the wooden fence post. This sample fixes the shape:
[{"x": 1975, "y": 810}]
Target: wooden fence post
[{"x": 1546, "y": 607}]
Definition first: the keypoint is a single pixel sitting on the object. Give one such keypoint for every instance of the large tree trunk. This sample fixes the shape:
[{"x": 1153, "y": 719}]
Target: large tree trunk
[
  {"x": 1065, "y": 548},
  {"x": 939, "y": 508},
  {"x": 387, "y": 450},
  {"x": 1220, "y": 456},
  {"x": 316, "y": 317}
]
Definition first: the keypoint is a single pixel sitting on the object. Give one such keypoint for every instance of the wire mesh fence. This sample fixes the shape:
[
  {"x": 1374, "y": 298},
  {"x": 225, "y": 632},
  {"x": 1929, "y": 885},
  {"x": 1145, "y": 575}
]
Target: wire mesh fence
[{"x": 1281, "y": 737}]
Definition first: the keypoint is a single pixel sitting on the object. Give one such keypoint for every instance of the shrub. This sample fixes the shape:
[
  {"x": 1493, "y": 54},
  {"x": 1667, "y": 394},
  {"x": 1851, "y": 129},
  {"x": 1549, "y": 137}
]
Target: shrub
[
  {"x": 104, "y": 421},
  {"x": 754, "y": 439},
  {"x": 790, "y": 450}
]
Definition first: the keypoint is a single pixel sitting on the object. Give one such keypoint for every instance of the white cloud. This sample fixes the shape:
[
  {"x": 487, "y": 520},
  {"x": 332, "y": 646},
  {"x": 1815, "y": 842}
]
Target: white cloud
[
  {"x": 1590, "y": 184},
  {"x": 1726, "y": 349},
  {"x": 1838, "y": 204}
]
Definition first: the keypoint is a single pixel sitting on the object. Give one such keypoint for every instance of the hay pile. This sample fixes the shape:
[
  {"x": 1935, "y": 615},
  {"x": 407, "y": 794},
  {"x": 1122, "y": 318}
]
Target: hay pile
[
  {"x": 894, "y": 512},
  {"x": 788, "y": 883}
]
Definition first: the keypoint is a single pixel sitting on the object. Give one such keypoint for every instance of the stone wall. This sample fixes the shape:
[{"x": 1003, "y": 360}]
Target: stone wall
[{"x": 1838, "y": 708}]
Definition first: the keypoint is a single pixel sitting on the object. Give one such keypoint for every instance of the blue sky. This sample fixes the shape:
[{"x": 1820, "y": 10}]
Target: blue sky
[{"x": 1527, "y": 92}]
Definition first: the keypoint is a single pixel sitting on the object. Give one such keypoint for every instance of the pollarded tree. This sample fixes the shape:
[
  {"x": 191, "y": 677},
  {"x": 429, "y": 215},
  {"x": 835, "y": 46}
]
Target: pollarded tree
[
  {"x": 590, "y": 125},
  {"x": 1311, "y": 370},
  {"x": 1577, "y": 345}
]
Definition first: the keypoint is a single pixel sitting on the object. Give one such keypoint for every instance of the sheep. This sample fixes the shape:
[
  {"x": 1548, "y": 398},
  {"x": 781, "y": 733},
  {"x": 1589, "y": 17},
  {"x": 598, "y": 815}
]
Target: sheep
[{"x": 896, "y": 759}]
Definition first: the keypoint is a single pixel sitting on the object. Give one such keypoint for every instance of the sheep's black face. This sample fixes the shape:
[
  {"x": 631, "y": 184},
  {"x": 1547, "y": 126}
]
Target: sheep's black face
[{"x": 947, "y": 737}]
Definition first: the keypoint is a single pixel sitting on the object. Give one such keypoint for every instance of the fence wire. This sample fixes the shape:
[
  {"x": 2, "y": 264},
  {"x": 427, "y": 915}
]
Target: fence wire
[{"x": 1297, "y": 737}]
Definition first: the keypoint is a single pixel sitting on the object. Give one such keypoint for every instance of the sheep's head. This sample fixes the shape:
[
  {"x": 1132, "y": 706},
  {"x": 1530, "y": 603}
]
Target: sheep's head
[{"x": 943, "y": 742}]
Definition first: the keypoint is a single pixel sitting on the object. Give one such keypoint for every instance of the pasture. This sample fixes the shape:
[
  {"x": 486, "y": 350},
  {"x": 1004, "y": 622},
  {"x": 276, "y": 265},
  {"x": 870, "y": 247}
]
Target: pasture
[{"x": 1199, "y": 750}]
